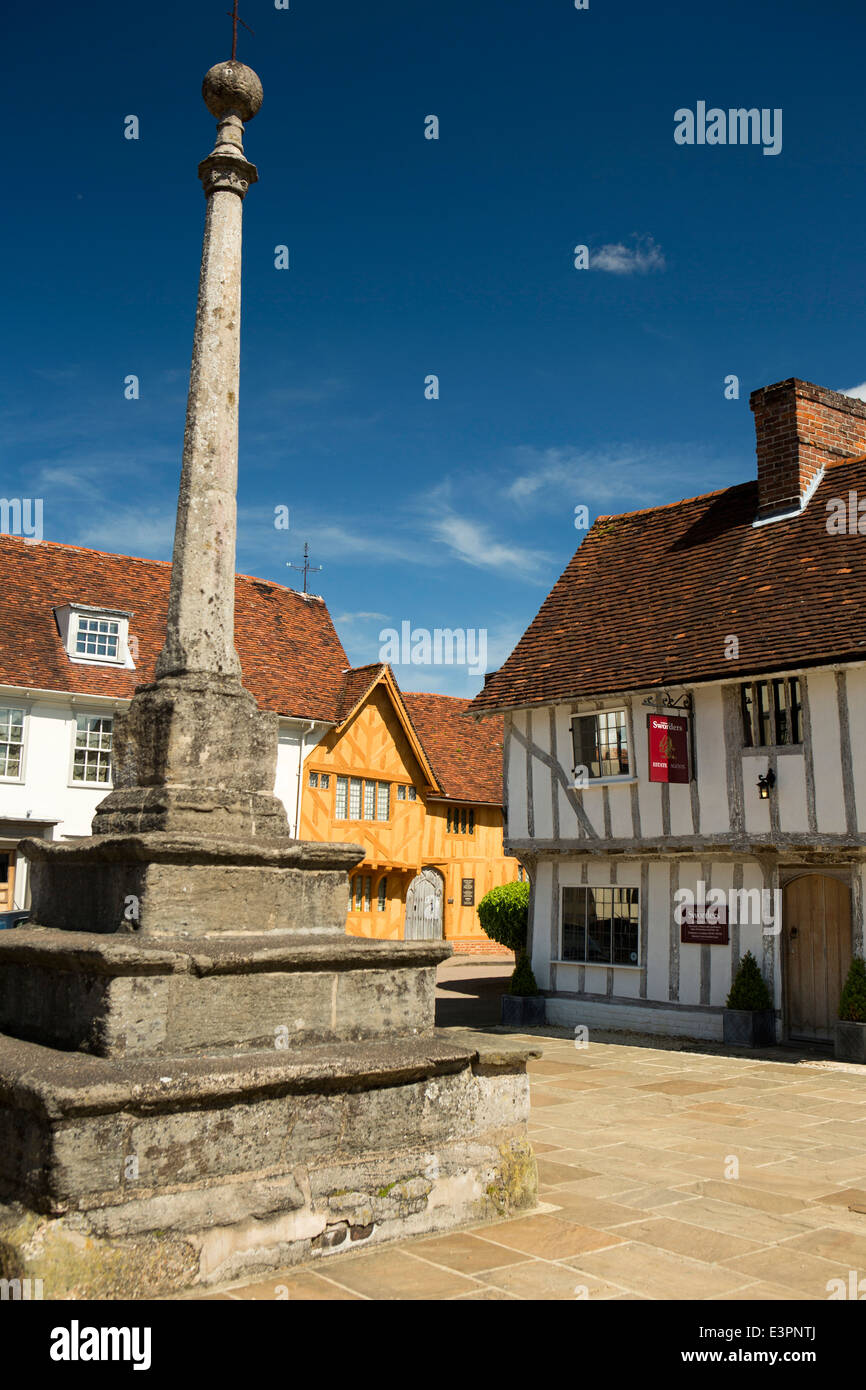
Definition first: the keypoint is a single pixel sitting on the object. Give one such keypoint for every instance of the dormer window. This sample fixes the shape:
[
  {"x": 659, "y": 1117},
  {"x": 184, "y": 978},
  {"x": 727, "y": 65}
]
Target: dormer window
[{"x": 95, "y": 636}]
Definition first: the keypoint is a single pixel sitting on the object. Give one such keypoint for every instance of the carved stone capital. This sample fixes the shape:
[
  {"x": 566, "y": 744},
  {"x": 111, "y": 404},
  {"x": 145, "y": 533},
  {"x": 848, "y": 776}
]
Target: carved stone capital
[{"x": 226, "y": 171}]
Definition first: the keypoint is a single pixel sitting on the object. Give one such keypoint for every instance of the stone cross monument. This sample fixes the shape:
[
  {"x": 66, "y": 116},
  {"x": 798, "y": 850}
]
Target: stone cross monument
[
  {"x": 173, "y": 771},
  {"x": 222, "y": 1081}
]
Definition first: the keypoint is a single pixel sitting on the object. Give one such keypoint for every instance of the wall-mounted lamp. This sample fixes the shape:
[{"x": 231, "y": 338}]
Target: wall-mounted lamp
[{"x": 766, "y": 784}]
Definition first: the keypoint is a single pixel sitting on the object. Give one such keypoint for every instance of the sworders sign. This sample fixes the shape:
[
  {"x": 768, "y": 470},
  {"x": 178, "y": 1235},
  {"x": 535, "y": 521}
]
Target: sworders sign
[{"x": 668, "y": 747}]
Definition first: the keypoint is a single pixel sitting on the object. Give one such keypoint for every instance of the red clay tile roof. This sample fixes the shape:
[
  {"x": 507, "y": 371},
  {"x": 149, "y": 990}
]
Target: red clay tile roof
[
  {"x": 356, "y": 683},
  {"x": 650, "y": 598},
  {"x": 466, "y": 755},
  {"x": 292, "y": 659}
]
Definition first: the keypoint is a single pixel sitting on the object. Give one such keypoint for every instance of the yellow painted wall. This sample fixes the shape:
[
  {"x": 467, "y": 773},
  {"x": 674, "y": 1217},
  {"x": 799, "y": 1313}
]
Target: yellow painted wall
[{"x": 374, "y": 746}]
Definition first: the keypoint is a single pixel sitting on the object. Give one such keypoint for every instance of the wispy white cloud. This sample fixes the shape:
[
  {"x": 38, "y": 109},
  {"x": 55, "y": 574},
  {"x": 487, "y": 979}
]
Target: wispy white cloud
[
  {"x": 641, "y": 256},
  {"x": 858, "y": 392},
  {"x": 614, "y": 479},
  {"x": 475, "y": 544}
]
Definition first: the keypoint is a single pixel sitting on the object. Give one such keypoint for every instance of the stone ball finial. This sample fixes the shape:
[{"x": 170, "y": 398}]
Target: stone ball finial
[{"x": 234, "y": 87}]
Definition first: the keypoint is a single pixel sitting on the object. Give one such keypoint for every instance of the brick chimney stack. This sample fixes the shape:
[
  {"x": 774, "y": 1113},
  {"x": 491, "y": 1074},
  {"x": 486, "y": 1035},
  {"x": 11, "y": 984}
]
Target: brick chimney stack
[{"x": 801, "y": 428}]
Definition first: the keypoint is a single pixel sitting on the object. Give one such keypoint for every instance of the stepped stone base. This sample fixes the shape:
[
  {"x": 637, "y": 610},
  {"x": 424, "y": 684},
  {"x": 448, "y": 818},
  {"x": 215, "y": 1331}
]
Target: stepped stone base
[
  {"x": 141, "y": 1177},
  {"x": 164, "y": 884},
  {"x": 118, "y": 996}
]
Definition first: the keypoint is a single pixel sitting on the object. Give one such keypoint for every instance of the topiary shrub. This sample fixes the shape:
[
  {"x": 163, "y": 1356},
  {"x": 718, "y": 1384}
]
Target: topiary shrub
[
  {"x": 749, "y": 990},
  {"x": 852, "y": 1005},
  {"x": 522, "y": 981},
  {"x": 504, "y": 915}
]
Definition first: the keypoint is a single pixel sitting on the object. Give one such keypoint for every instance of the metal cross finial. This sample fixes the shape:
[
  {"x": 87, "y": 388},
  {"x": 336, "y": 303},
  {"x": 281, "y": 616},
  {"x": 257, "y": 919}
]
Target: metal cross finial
[
  {"x": 236, "y": 20},
  {"x": 306, "y": 567}
]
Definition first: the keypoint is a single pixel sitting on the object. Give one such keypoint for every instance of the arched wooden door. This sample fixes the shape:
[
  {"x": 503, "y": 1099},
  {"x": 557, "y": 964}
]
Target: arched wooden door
[
  {"x": 816, "y": 930},
  {"x": 424, "y": 907}
]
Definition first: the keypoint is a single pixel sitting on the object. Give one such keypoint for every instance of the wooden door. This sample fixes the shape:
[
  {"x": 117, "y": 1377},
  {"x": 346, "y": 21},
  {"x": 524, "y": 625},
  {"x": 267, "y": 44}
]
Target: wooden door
[
  {"x": 7, "y": 880},
  {"x": 816, "y": 918},
  {"x": 424, "y": 907}
]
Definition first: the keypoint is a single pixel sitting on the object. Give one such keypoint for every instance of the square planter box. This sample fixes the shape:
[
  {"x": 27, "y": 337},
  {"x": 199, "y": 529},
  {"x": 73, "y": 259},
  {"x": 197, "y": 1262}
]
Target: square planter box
[
  {"x": 749, "y": 1027},
  {"x": 849, "y": 1041},
  {"x": 523, "y": 1010}
]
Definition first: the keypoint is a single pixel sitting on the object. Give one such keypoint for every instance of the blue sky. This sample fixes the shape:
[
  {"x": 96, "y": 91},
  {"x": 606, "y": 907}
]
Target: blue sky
[{"x": 408, "y": 257}]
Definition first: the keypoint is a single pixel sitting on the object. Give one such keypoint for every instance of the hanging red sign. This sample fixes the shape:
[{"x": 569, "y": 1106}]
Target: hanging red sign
[{"x": 668, "y": 748}]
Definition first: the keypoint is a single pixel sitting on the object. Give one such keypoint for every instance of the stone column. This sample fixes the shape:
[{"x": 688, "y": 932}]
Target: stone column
[
  {"x": 200, "y": 629},
  {"x": 194, "y": 753}
]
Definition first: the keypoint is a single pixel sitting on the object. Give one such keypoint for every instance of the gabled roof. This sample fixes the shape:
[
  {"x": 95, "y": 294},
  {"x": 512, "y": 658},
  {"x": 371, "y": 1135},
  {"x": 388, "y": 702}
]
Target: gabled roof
[
  {"x": 358, "y": 685},
  {"x": 651, "y": 597},
  {"x": 461, "y": 760},
  {"x": 466, "y": 755},
  {"x": 293, "y": 661}
]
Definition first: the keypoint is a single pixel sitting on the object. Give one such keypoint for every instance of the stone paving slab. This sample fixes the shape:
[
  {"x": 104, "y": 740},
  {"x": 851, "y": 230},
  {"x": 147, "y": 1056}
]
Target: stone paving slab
[{"x": 636, "y": 1143}]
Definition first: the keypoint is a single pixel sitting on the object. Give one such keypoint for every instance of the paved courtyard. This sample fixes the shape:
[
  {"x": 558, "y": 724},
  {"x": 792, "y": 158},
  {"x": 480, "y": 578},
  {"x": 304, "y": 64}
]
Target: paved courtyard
[{"x": 664, "y": 1173}]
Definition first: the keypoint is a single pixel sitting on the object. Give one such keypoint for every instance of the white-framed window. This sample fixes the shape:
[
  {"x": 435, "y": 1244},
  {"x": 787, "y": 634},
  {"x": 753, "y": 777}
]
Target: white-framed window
[
  {"x": 12, "y": 743},
  {"x": 600, "y": 926},
  {"x": 91, "y": 757},
  {"x": 600, "y": 743},
  {"x": 99, "y": 637},
  {"x": 359, "y": 798}
]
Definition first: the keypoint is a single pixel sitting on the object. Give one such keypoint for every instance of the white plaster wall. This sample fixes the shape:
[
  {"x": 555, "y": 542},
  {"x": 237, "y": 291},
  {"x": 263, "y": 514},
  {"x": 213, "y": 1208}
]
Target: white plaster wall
[
  {"x": 542, "y": 789},
  {"x": 658, "y": 942},
  {"x": 565, "y": 754},
  {"x": 857, "y": 723},
  {"x": 620, "y": 812},
  {"x": 710, "y": 756},
  {"x": 47, "y": 792},
  {"x": 790, "y": 791},
  {"x": 826, "y": 757},
  {"x": 516, "y": 784},
  {"x": 541, "y": 918},
  {"x": 722, "y": 876},
  {"x": 289, "y": 769}
]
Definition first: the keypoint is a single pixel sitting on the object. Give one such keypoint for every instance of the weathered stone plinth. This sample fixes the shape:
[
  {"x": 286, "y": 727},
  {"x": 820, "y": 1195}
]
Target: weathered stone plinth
[
  {"x": 194, "y": 754},
  {"x": 116, "y": 996},
  {"x": 138, "y": 1177},
  {"x": 166, "y": 884}
]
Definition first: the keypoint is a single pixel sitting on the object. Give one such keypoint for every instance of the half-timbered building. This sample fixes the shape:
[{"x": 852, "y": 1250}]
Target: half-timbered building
[
  {"x": 685, "y": 742},
  {"x": 419, "y": 784}
]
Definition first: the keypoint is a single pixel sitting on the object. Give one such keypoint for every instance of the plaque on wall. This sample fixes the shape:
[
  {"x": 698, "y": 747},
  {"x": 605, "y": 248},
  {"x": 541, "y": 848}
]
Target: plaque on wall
[
  {"x": 467, "y": 892},
  {"x": 704, "y": 926}
]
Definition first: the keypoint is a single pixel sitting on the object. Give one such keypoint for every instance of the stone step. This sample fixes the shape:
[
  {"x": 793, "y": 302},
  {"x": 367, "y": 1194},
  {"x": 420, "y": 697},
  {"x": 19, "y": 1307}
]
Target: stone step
[
  {"x": 135, "y": 1176},
  {"x": 116, "y": 996}
]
